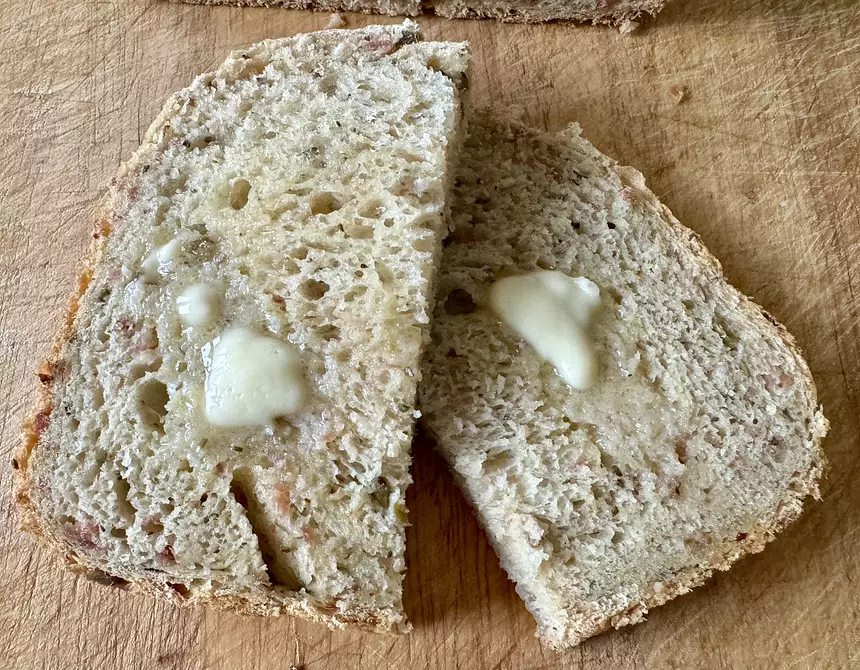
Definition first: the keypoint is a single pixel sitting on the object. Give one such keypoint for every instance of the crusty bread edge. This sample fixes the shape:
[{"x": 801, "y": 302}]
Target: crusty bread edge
[
  {"x": 524, "y": 16},
  {"x": 35, "y": 422}
]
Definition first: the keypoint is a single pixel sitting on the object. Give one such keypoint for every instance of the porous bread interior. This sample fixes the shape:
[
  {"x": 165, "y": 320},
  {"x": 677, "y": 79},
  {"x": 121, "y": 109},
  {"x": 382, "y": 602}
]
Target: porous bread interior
[
  {"x": 305, "y": 181},
  {"x": 701, "y": 436}
]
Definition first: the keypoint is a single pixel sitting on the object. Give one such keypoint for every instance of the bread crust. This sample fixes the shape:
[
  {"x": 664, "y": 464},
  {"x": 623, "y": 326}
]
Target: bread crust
[
  {"x": 108, "y": 217},
  {"x": 506, "y": 11}
]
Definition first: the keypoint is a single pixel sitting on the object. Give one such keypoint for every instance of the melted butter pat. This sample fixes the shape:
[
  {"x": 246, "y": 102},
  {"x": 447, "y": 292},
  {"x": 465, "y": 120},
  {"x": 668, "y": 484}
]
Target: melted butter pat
[
  {"x": 199, "y": 305},
  {"x": 550, "y": 311},
  {"x": 161, "y": 259},
  {"x": 251, "y": 379}
]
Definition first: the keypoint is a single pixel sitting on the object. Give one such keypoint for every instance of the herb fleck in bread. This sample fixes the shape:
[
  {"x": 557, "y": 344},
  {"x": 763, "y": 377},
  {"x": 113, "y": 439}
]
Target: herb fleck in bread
[
  {"x": 699, "y": 441},
  {"x": 304, "y": 182},
  {"x": 614, "y": 12}
]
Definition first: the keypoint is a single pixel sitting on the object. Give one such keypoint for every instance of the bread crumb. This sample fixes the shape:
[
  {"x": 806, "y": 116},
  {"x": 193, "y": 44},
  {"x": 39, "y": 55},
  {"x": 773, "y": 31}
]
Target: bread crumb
[
  {"x": 335, "y": 21},
  {"x": 679, "y": 93},
  {"x": 627, "y": 27}
]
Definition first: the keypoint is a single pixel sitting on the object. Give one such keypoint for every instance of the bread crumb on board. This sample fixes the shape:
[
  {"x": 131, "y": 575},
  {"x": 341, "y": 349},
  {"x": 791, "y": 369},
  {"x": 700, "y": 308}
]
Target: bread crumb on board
[
  {"x": 335, "y": 21},
  {"x": 627, "y": 27},
  {"x": 679, "y": 93}
]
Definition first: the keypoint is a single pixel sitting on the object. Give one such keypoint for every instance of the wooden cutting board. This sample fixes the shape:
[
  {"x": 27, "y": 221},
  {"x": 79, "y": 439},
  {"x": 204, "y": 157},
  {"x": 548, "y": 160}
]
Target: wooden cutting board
[{"x": 743, "y": 115}]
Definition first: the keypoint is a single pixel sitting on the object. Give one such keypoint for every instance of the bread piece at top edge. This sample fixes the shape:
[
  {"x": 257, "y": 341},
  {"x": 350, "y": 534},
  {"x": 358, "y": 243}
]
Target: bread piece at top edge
[
  {"x": 508, "y": 11},
  {"x": 701, "y": 437},
  {"x": 298, "y": 192}
]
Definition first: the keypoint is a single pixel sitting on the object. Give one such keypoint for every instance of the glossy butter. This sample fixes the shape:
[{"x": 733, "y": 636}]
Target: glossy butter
[
  {"x": 199, "y": 305},
  {"x": 251, "y": 379},
  {"x": 550, "y": 311}
]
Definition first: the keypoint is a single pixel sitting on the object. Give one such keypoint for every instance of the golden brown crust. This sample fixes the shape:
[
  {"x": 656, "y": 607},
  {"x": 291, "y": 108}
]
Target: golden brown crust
[
  {"x": 36, "y": 421},
  {"x": 181, "y": 596}
]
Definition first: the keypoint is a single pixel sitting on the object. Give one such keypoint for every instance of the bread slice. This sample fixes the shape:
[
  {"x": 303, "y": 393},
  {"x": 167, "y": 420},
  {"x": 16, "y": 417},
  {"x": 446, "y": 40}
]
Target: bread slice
[
  {"x": 700, "y": 438},
  {"x": 612, "y": 12},
  {"x": 298, "y": 193},
  {"x": 519, "y": 11}
]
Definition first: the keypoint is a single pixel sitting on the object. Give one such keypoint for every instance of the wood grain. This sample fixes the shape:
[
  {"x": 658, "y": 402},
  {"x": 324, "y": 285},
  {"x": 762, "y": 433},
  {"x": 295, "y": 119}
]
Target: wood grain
[{"x": 761, "y": 159}]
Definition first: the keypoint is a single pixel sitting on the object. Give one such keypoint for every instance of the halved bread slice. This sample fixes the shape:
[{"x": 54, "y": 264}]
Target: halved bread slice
[
  {"x": 228, "y": 412},
  {"x": 700, "y": 438}
]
